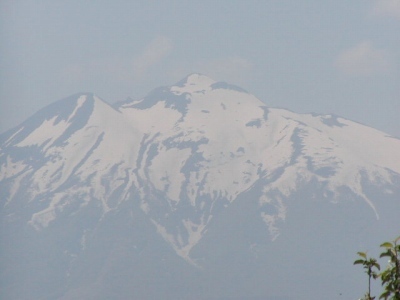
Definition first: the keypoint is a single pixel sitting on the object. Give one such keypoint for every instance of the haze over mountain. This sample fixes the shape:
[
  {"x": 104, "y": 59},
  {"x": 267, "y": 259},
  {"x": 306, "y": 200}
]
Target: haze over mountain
[{"x": 197, "y": 191}]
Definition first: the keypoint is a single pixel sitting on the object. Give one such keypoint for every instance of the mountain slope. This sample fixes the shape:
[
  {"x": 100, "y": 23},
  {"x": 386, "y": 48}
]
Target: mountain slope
[{"x": 200, "y": 178}]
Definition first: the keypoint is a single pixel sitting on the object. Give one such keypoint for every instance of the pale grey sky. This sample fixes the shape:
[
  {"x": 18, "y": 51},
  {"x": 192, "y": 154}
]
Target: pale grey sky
[{"x": 334, "y": 56}]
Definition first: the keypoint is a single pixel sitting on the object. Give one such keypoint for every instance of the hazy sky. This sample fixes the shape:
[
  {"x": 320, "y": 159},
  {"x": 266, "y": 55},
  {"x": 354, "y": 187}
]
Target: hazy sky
[{"x": 333, "y": 56}]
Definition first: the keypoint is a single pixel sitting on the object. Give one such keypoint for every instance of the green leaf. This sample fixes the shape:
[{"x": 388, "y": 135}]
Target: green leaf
[
  {"x": 385, "y": 295},
  {"x": 387, "y": 245},
  {"x": 387, "y": 253},
  {"x": 358, "y": 262},
  {"x": 362, "y": 254}
]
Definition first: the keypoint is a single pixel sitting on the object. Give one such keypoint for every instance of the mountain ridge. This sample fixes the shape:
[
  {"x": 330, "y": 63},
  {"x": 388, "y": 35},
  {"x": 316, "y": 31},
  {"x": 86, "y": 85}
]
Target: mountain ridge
[{"x": 188, "y": 161}]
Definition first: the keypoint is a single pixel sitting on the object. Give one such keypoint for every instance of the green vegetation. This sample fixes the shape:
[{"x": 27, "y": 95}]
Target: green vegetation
[{"x": 390, "y": 277}]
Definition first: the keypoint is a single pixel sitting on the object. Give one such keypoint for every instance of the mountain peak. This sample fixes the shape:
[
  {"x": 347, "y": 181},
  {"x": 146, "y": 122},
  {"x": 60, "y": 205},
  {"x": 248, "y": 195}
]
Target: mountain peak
[
  {"x": 194, "y": 82},
  {"x": 196, "y": 79},
  {"x": 199, "y": 83}
]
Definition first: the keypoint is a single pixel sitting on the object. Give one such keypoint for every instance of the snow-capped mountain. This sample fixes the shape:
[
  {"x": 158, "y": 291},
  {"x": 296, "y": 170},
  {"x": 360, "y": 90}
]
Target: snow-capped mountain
[{"x": 200, "y": 180}]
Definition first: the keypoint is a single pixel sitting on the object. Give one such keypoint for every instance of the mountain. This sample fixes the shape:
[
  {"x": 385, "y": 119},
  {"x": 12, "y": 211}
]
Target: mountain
[{"x": 197, "y": 191}]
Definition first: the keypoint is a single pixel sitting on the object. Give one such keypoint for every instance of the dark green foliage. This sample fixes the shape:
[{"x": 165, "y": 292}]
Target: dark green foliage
[
  {"x": 369, "y": 265},
  {"x": 390, "y": 277}
]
